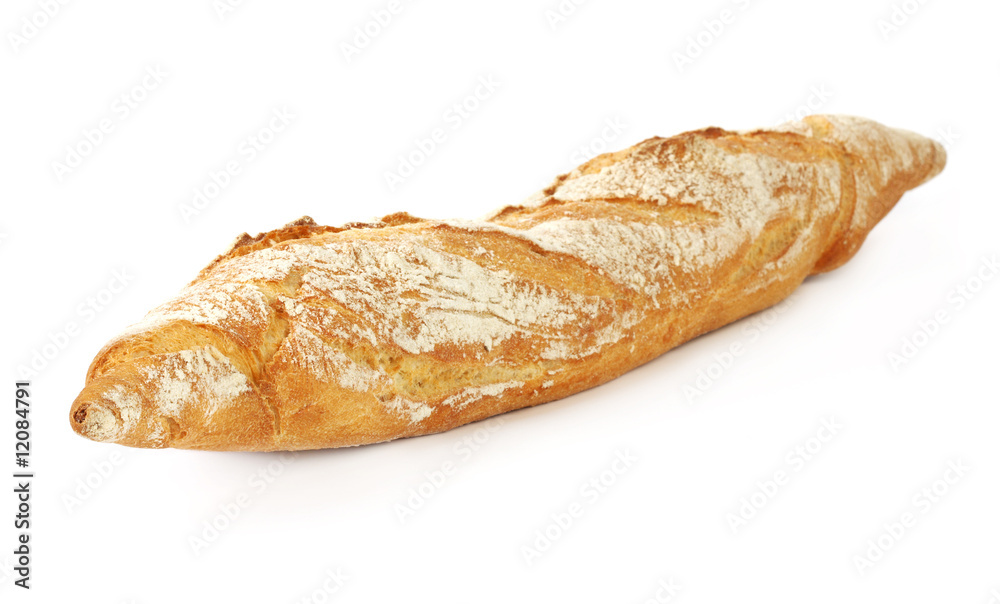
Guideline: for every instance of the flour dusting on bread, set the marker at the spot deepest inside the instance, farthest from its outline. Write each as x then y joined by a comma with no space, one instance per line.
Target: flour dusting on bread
188,376
309,336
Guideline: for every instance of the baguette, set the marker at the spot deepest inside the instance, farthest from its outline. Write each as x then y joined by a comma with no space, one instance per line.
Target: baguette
311,337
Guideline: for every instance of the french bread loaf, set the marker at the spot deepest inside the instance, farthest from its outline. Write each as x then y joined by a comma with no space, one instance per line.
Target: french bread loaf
311,337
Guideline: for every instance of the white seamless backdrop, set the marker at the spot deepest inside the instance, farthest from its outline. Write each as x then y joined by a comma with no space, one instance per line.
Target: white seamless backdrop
841,447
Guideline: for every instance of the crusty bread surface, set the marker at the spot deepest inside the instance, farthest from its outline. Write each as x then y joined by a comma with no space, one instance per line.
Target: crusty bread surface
311,337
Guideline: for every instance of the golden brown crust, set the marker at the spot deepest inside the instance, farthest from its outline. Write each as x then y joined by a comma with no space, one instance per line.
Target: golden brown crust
310,337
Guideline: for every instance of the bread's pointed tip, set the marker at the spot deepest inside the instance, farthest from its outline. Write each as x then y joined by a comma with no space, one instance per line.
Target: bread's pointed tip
96,419
888,152
109,411
928,156
936,154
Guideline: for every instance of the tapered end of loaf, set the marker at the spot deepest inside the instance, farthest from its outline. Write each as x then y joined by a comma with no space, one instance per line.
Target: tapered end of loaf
115,409
882,156
882,164
931,153
189,399
889,153
96,422
103,415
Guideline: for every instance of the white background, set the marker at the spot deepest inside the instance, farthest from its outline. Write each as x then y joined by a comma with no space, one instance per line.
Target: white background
664,519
